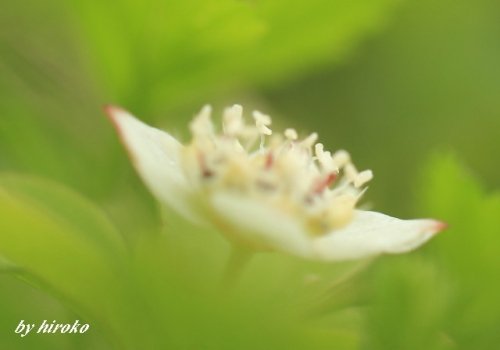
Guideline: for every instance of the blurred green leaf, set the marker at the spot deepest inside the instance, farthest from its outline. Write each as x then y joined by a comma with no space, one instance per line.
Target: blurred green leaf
469,253
86,221
446,295
175,304
63,244
157,54
19,301
408,306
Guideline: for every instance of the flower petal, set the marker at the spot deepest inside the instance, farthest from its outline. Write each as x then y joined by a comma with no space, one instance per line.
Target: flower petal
155,155
260,225
372,233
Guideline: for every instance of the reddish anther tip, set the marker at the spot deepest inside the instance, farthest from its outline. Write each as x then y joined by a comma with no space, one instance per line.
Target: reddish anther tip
331,178
326,182
269,160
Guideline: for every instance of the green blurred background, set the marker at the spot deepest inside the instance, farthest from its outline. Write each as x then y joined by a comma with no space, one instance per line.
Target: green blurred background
410,88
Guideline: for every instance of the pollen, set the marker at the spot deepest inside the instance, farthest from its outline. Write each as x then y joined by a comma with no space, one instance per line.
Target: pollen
296,175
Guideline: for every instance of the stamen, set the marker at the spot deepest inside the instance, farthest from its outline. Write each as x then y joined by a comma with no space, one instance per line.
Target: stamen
299,177
350,172
318,149
362,178
262,142
291,134
325,182
309,141
202,124
269,161
341,158
262,121
205,171
325,158
233,120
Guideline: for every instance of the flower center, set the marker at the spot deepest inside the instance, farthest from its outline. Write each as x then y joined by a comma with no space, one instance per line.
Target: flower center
297,176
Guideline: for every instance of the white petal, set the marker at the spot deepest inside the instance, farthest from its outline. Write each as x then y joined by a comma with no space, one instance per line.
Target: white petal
372,233
261,225
155,155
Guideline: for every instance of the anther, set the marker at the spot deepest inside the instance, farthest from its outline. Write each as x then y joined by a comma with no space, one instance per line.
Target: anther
202,123
325,158
341,158
205,171
318,149
309,141
269,161
350,172
261,122
233,120
362,178
325,182
291,134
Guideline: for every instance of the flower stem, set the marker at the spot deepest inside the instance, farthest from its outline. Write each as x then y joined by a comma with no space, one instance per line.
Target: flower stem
238,259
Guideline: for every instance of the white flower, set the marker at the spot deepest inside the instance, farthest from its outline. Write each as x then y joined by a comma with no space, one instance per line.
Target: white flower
264,190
